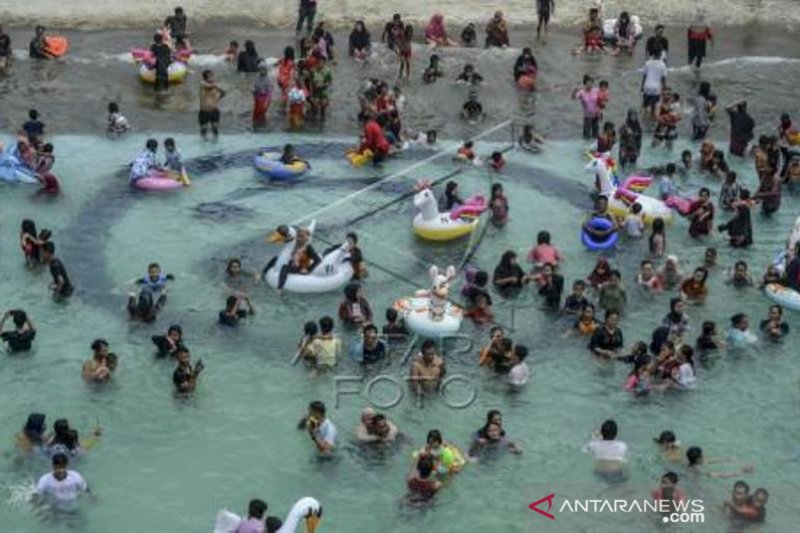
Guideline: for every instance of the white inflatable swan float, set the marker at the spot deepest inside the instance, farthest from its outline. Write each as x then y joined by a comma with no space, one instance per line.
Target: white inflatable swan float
307,510
333,272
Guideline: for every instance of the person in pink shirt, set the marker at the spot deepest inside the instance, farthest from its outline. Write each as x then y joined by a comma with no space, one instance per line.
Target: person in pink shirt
544,252
435,32
589,95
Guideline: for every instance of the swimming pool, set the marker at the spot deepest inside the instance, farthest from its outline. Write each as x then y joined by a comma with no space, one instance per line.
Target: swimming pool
166,464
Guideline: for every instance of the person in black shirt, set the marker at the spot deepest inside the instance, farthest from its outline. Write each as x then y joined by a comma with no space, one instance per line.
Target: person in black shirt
394,330
37,50
232,313
170,343
185,377
372,349
61,286
607,339
392,30
657,45
469,76
576,301
248,58
742,126
551,285
33,127
163,57
177,24
508,275
472,111
20,339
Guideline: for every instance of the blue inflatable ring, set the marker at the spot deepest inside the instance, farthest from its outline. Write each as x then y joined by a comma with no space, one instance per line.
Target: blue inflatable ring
270,166
600,224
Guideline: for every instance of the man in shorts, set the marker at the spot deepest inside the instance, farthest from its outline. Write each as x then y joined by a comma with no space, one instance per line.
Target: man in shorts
655,76
210,95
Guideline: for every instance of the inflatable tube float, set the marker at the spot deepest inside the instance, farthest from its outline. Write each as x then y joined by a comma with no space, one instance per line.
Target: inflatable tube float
268,164
783,296
56,46
415,311
472,207
451,458
432,225
227,522
620,199
333,272
177,72
610,35
600,224
359,159
12,170
156,182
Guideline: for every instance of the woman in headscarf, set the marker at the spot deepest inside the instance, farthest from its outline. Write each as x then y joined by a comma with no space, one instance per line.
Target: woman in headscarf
525,70
262,94
360,43
435,32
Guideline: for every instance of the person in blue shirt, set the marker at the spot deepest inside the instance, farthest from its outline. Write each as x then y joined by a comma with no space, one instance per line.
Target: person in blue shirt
152,294
33,128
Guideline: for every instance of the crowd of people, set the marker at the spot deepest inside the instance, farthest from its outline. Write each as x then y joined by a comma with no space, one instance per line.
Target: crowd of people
669,362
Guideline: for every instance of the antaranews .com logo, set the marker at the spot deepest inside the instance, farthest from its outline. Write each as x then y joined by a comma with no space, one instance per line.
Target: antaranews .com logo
672,512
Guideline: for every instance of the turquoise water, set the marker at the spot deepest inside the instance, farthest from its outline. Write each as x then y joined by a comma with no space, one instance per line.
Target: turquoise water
166,464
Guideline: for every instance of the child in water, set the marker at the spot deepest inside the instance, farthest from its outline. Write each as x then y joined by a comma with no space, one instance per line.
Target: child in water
117,124
496,161
173,162
232,53
297,104
433,72
465,152
472,111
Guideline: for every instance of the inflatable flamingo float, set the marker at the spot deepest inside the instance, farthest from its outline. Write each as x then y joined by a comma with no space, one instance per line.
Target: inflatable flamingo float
621,198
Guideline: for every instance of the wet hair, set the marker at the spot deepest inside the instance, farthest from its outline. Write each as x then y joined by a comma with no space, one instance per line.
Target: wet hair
506,258
49,247
771,307
609,430
310,328
158,38
671,168
587,79
233,261
207,75
611,313
521,351
543,237
326,325
704,271
740,264
288,53
427,344
256,509
391,314
495,329
737,319
672,477
636,208
153,265
434,435
370,328
113,107
60,460
317,406
230,302
97,344
578,283
425,466
497,189
151,144
352,236
250,47
666,437
741,485
28,227
176,329
450,187
169,142
645,262
351,292
694,455
34,427
481,278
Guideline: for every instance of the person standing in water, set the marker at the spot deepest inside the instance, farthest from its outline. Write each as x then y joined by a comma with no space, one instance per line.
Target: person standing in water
308,10
5,51
177,24
742,126
61,487
698,35
544,9
210,95
61,287
163,57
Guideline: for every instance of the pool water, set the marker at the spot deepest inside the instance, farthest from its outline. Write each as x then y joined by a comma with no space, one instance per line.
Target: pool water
168,464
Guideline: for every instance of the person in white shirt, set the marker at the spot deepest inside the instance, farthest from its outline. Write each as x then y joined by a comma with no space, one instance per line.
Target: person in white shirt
320,429
61,486
610,454
519,373
655,75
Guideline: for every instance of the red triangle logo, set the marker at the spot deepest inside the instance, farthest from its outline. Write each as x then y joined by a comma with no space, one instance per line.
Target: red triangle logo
549,500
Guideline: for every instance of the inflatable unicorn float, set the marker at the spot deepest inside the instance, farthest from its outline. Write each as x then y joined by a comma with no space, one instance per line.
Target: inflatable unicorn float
622,196
433,225
306,511
429,313
332,273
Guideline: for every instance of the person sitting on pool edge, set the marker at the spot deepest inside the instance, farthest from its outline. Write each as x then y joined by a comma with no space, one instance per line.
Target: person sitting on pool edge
20,338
